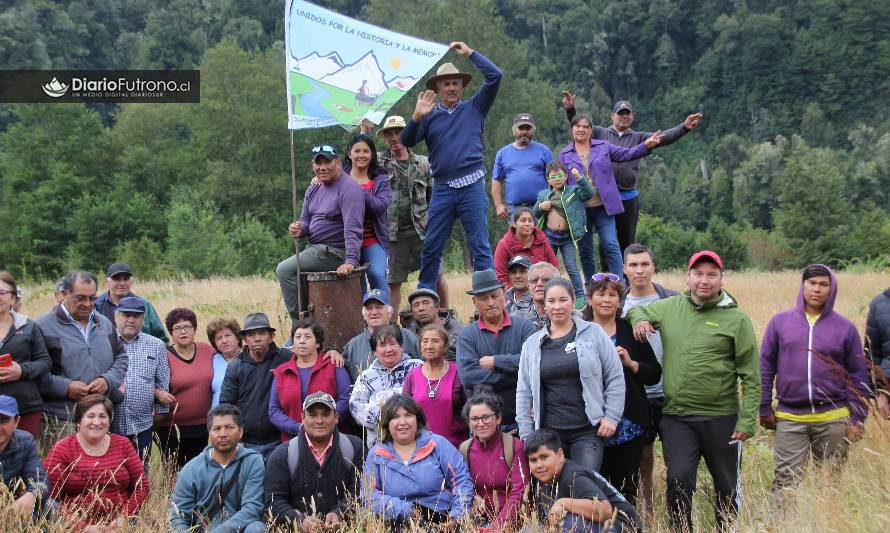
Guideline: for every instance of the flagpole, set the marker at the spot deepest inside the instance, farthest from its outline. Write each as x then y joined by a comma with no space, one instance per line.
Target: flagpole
293,186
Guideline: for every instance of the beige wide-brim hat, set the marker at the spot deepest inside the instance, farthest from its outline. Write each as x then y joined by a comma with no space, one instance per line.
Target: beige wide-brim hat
447,70
392,122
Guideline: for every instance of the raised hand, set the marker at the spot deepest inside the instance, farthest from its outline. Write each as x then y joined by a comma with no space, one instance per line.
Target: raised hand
568,100
461,48
367,126
692,121
426,101
654,140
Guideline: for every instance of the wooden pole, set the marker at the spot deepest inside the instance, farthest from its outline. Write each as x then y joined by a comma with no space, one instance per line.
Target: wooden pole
293,185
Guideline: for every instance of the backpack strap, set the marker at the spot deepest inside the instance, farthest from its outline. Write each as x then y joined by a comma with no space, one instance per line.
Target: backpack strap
509,448
293,456
465,450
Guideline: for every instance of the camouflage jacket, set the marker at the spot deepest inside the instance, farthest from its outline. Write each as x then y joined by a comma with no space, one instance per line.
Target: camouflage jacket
418,183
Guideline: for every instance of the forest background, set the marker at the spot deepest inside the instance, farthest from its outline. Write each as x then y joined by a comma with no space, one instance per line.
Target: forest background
790,165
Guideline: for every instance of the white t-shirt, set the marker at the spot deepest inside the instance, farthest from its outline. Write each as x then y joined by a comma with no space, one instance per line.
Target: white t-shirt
657,390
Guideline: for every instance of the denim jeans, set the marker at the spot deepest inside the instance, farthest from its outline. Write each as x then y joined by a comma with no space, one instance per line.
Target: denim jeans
562,243
583,446
608,243
376,273
470,205
142,442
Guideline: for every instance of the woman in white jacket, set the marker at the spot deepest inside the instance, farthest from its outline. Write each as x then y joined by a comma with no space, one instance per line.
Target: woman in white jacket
570,380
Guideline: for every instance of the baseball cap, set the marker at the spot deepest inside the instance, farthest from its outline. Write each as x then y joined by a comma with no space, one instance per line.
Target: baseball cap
519,260
118,268
131,304
524,118
8,406
705,255
621,105
319,397
375,294
324,149
423,292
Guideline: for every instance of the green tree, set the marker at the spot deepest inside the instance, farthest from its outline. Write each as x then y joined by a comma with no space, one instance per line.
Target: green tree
188,220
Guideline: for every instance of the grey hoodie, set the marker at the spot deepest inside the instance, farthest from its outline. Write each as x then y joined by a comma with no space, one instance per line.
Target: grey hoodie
602,378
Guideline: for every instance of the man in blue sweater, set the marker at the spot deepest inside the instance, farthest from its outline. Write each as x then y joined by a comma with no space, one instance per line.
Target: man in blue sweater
452,129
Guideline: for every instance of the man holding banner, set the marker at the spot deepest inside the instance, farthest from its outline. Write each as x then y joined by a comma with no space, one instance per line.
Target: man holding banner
452,130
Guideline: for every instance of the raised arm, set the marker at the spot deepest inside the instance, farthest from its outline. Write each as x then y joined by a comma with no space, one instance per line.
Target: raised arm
484,98
672,134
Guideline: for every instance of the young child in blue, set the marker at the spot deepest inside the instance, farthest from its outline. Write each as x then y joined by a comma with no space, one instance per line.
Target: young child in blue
561,214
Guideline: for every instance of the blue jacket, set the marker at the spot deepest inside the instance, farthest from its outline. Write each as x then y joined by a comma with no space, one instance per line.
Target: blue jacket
454,137
20,463
201,480
436,478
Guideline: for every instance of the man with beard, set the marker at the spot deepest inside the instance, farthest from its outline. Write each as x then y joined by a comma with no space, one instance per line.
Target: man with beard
520,169
488,349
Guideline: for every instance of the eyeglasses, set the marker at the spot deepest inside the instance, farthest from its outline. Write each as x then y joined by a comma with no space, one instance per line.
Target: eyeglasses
485,419
4,293
535,279
182,329
556,176
79,298
606,276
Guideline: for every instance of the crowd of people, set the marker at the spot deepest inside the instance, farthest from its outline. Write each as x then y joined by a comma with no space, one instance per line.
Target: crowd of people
546,404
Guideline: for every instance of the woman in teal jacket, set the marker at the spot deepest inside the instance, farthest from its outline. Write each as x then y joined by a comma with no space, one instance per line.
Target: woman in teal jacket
413,474
561,214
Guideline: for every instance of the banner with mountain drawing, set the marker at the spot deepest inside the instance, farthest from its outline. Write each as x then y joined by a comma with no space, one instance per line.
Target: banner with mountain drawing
341,70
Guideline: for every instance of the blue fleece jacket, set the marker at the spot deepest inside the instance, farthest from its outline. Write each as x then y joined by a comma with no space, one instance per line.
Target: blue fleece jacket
436,477
454,136
200,482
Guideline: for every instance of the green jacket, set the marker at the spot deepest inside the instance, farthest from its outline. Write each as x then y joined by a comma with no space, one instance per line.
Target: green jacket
708,349
573,198
418,184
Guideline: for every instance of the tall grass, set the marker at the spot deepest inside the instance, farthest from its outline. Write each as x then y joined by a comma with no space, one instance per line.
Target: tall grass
856,500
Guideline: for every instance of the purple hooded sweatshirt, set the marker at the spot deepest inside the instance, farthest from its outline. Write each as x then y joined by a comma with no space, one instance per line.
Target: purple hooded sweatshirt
816,368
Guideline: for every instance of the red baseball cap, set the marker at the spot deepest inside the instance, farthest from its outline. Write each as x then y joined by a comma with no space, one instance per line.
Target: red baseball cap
705,254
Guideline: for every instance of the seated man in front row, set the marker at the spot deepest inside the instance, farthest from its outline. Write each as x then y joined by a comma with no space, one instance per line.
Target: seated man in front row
571,497
312,477
21,470
222,488
332,218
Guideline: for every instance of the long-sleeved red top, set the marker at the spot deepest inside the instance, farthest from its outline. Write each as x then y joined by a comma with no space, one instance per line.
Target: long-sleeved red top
499,485
96,489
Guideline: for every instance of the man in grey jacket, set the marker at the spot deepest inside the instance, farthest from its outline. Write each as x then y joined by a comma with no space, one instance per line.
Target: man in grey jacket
376,313
877,339
88,357
621,134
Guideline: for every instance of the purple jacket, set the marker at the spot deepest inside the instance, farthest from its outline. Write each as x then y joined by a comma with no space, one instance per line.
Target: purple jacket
602,154
816,368
334,215
377,203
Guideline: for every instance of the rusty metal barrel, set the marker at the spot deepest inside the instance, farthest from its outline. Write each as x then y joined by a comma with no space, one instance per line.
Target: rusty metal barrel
335,302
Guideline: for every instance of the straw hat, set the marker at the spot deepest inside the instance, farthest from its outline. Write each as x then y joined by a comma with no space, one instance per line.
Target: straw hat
447,70
392,122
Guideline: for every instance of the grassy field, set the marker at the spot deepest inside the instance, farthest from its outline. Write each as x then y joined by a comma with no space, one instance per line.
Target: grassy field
857,500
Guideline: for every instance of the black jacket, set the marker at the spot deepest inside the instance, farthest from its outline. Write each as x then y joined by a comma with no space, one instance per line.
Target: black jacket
636,406
26,345
315,488
877,330
248,385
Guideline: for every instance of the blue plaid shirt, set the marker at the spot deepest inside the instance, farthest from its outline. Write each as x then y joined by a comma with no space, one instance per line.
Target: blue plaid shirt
148,370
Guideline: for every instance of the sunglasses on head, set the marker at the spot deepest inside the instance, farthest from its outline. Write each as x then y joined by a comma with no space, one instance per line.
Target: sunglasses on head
324,148
606,276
